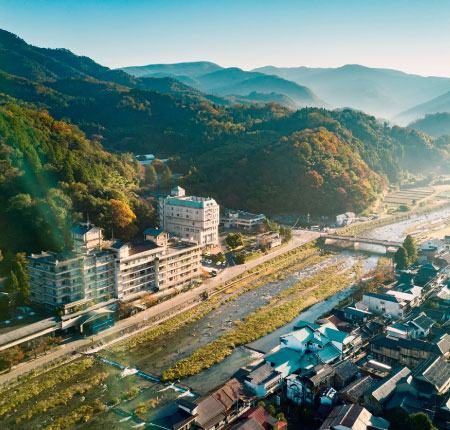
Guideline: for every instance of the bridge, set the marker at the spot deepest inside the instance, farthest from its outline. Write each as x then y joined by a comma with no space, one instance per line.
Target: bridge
359,240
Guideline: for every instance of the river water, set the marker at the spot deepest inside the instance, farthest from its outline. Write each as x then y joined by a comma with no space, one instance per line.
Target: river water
164,352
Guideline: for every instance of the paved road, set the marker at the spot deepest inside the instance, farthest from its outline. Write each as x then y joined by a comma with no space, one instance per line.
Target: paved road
299,238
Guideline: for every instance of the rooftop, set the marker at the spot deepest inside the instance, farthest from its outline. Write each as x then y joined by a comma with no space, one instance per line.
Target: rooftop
262,374
435,371
191,201
382,390
356,389
153,232
385,297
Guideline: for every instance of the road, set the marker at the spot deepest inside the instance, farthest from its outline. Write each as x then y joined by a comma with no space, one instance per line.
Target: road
300,237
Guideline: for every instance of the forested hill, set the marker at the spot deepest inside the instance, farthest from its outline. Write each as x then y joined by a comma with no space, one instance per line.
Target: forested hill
264,158
51,175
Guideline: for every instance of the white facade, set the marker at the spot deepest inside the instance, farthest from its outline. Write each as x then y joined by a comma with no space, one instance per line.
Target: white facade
384,304
195,219
104,270
241,220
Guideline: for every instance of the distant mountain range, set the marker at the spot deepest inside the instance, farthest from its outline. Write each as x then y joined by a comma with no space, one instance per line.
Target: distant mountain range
211,78
385,93
436,124
435,105
219,132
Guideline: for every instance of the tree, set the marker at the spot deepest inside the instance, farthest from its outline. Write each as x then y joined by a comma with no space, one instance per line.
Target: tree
280,417
234,240
401,258
286,233
11,356
24,285
420,421
410,246
12,284
271,409
166,177
150,178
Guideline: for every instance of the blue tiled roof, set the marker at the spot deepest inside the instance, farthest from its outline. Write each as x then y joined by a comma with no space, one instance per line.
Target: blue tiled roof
187,203
153,231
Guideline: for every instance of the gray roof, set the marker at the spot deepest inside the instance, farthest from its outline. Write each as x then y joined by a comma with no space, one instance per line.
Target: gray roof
346,369
442,345
210,412
394,343
28,330
383,389
262,374
386,297
358,388
435,371
423,321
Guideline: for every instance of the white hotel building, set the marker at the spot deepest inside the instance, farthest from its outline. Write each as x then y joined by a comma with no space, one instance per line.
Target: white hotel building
96,271
190,218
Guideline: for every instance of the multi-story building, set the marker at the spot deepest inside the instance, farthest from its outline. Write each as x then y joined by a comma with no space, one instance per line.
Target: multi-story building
195,219
155,264
241,220
96,271
73,278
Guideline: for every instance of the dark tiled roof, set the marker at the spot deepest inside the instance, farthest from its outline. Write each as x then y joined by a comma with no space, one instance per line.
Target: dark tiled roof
423,321
358,388
442,344
435,371
384,388
386,297
346,369
262,374
118,245
390,342
210,412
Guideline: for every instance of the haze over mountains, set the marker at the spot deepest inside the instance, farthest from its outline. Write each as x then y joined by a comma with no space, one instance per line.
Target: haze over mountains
385,93
246,155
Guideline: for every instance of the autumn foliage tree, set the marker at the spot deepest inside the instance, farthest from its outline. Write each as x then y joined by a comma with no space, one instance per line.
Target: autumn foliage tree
122,220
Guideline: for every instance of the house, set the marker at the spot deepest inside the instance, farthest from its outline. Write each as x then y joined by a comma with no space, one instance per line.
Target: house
411,297
409,352
285,360
318,376
431,248
212,411
264,419
432,376
345,219
358,316
270,240
355,391
426,273
353,417
207,412
377,396
263,379
325,343
241,220
344,372
247,424
420,325
384,304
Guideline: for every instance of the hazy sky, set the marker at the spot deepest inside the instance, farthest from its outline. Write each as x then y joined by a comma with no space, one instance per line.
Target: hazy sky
409,35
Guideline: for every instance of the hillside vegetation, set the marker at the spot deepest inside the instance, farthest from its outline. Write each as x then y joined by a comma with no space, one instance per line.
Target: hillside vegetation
437,124
259,157
51,175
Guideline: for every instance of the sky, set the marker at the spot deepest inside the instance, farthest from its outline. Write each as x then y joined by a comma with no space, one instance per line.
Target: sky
408,35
